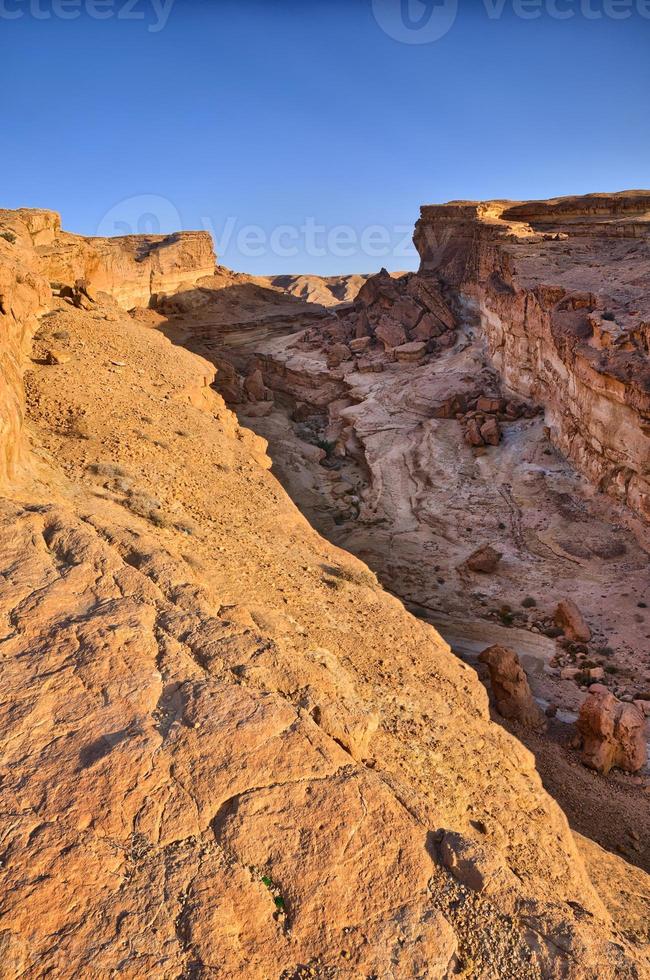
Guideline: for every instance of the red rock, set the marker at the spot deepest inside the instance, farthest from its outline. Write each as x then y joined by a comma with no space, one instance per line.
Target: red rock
512,694
390,332
359,344
338,354
362,327
612,733
447,339
486,403
450,408
571,621
411,352
484,560
427,292
377,286
473,433
428,328
406,311
255,388
491,432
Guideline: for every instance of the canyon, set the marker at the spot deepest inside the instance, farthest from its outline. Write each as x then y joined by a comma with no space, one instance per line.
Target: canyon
256,533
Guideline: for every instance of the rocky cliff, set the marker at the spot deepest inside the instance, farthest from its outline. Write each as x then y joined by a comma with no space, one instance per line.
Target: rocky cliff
131,269
561,288
226,750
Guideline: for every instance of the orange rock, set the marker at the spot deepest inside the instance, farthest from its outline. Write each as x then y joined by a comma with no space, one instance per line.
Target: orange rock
612,732
512,694
485,560
571,621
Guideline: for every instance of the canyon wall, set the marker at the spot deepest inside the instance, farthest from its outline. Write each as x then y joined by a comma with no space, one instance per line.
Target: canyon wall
35,252
225,749
561,288
131,268
23,294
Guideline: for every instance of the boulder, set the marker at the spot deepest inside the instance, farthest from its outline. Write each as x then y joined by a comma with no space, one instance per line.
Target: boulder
447,339
450,408
407,312
390,332
478,867
255,388
380,285
368,365
491,432
359,344
488,403
428,328
411,352
484,560
571,621
57,356
611,732
512,694
338,354
427,293
473,433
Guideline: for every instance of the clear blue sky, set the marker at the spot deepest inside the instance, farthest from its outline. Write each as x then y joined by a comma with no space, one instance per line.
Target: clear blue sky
285,112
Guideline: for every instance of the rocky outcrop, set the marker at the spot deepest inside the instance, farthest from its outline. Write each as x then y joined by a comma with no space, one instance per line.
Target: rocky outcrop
225,748
611,732
571,621
132,269
23,294
510,688
561,290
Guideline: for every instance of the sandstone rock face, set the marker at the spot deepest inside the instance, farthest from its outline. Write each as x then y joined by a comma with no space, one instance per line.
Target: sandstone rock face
510,687
23,294
226,751
612,732
131,269
561,287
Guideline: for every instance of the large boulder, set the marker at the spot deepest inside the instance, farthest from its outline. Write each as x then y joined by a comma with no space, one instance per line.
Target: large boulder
512,694
484,560
571,621
390,333
611,732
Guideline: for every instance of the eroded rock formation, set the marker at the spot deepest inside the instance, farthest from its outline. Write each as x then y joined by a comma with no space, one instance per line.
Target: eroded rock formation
611,732
510,687
561,288
131,269
226,750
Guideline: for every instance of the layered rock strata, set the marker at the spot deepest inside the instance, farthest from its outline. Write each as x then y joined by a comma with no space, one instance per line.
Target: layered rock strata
226,751
132,269
561,288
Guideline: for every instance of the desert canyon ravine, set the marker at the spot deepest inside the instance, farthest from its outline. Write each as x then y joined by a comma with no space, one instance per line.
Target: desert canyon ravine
325,604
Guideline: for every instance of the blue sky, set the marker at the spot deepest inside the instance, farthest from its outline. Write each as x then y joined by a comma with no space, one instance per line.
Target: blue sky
303,134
